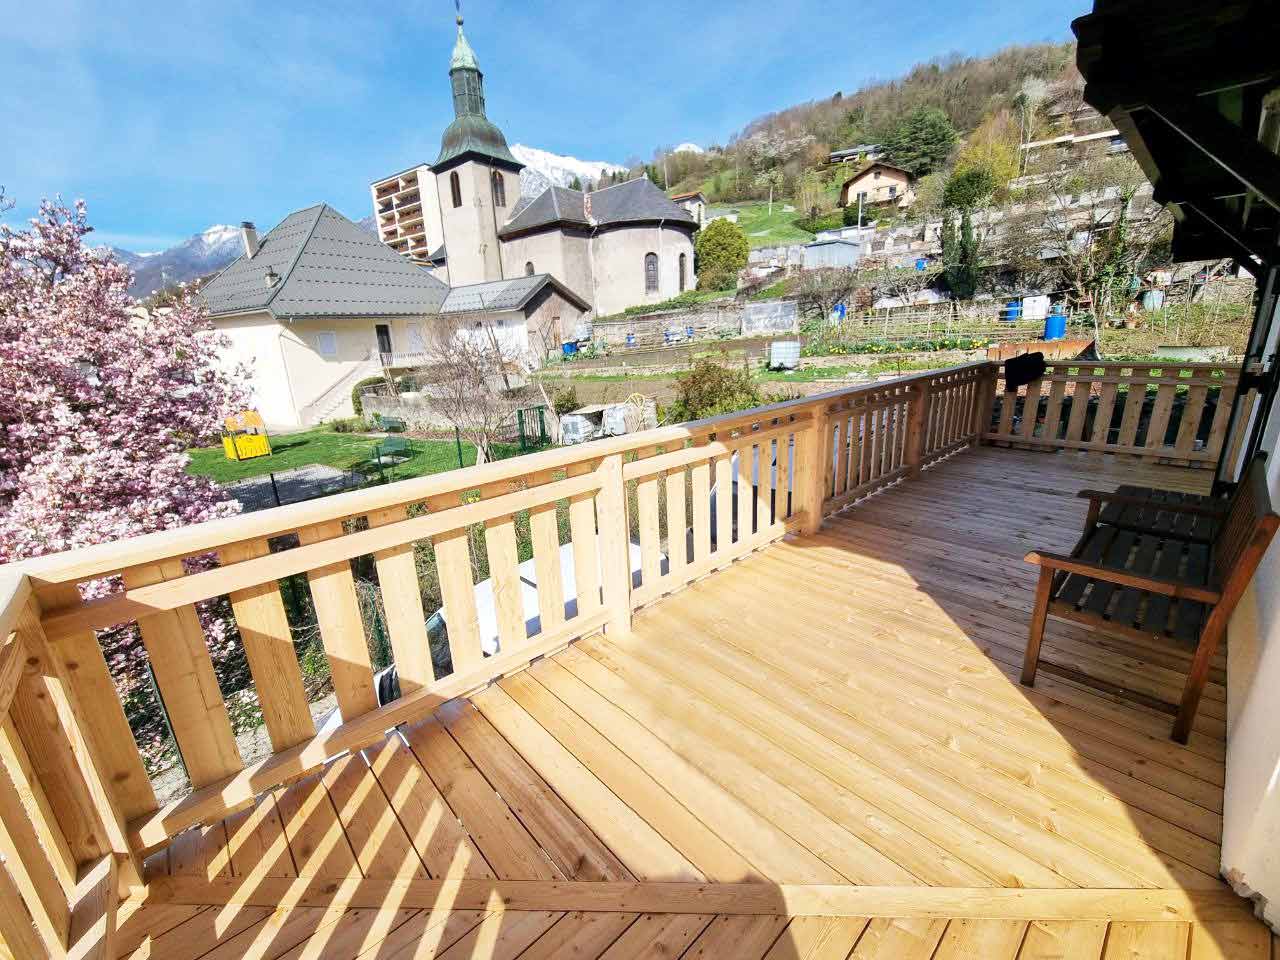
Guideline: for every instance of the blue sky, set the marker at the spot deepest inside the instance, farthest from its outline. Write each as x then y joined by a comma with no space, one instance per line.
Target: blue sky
168,117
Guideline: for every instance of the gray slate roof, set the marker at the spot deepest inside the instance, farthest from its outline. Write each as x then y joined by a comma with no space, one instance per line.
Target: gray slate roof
636,201
503,294
327,266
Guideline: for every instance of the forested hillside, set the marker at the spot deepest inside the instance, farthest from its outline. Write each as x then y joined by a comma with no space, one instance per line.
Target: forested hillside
781,149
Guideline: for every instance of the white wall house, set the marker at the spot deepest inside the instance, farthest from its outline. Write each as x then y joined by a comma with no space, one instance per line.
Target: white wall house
319,305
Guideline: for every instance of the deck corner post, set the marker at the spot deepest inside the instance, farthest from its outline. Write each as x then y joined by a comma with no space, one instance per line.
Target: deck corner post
813,470
985,403
917,423
615,557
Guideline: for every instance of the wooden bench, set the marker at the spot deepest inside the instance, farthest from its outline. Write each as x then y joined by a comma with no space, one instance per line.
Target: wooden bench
1145,583
1187,516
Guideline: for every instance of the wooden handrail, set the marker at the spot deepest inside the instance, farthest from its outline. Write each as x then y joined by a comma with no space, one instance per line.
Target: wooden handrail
646,514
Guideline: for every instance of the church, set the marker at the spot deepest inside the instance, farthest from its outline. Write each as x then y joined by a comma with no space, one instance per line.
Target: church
463,216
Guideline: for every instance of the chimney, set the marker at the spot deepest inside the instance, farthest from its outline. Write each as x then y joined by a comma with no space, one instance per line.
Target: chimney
249,236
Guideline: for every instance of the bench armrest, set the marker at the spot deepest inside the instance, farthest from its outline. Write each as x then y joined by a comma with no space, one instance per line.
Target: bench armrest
1099,497
1125,578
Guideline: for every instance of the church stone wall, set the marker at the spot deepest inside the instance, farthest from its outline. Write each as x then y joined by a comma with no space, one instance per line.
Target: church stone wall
618,256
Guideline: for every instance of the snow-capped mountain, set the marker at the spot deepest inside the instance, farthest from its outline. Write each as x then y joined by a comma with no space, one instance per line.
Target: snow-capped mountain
688,148
205,253
543,168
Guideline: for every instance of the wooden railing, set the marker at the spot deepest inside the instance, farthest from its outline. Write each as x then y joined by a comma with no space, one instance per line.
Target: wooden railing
1168,412
640,515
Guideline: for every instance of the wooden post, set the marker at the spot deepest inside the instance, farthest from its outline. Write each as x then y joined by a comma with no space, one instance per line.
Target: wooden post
917,424
985,402
813,461
615,550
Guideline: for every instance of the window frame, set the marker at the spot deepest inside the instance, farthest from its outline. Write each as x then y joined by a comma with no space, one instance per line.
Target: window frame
320,337
455,189
652,279
683,267
528,268
498,186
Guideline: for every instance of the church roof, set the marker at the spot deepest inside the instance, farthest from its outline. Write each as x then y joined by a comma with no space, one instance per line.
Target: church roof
636,201
327,266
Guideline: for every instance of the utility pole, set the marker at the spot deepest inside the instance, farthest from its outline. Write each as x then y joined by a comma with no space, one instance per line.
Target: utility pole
771,198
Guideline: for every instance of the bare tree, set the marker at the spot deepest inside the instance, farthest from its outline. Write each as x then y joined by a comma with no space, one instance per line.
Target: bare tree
1086,230
475,379
818,292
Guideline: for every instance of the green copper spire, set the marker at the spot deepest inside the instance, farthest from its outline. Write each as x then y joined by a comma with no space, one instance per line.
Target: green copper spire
464,58
471,133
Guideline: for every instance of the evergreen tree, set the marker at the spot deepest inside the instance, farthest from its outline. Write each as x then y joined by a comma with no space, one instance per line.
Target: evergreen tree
961,254
721,249
575,184
922,141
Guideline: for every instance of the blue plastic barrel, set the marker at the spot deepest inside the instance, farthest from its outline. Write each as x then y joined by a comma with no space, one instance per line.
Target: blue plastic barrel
1055,326
631,339
1012,311
569,348
688,332
921,264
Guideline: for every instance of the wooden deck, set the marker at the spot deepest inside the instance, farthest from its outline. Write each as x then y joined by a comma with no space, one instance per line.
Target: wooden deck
838,710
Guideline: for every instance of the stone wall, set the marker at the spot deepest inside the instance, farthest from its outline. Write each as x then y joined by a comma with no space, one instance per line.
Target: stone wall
412,408
709,322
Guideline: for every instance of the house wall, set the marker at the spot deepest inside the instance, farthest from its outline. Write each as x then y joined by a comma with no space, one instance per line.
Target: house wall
471,230
256,343
1251,805
561,253
877,182
551,320
617,256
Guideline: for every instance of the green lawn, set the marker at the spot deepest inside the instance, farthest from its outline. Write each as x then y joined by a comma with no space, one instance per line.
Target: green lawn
806,374
763,229
344,451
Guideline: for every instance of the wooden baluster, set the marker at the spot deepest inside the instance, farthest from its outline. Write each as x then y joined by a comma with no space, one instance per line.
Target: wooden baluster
842,447
782,496
333,592
34,874
402,603
615,556
91,684
1221,418
1189,426
586,550
856,427
1134,401
93,918
724,505
1009,400
1031,409
457,589
179,655
16,930
875,437
544,531
677,523
648,528
700,478
268,646
1101,436
14,759
504,575
764,485
1158,425
746,497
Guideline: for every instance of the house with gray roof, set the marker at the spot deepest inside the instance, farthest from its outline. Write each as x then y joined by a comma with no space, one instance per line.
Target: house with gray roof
318,304
463,215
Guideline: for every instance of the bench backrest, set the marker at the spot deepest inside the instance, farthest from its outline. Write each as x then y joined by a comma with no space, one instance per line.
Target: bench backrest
392,444
1245,534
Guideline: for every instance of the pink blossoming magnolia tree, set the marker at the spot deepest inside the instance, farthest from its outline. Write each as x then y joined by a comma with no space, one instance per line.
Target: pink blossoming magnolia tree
98,404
